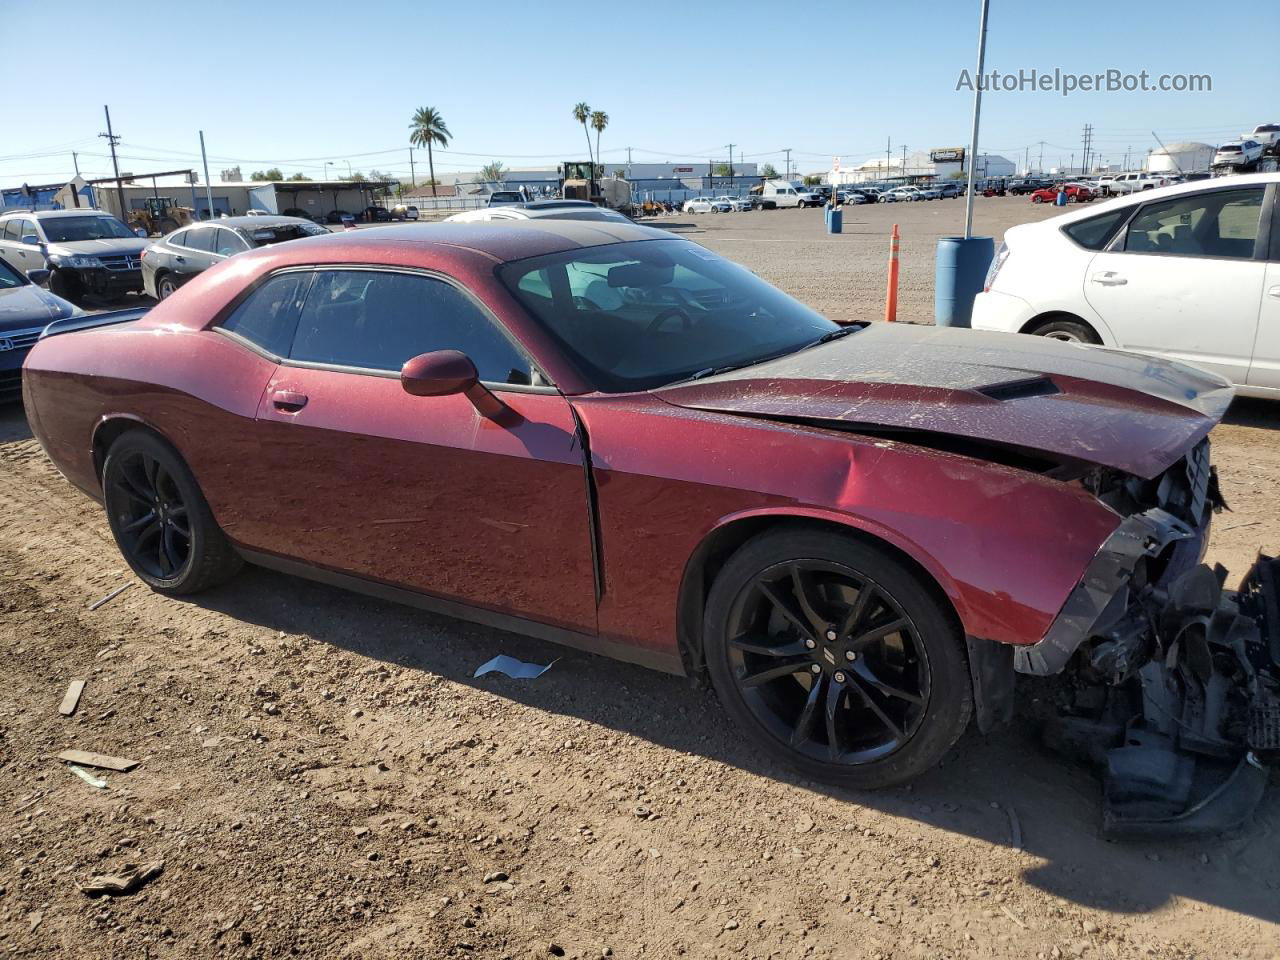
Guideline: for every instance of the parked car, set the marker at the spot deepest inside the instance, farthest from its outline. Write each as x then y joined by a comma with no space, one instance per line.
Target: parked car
1102,186
809,197
928,192
998,504
900,195
25,310
1138,181
781,193
88,252
501,198
1238,153
336,216
706,205
950,189
1076,193
736,204
1189,272
376,214
405,212
1026,186
1267,134
540,210
172,260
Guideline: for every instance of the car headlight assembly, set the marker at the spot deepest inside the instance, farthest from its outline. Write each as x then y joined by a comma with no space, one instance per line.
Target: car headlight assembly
75,261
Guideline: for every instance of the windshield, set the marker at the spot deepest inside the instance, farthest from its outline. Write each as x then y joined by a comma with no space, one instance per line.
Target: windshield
10,277
73,229
638,315
280,232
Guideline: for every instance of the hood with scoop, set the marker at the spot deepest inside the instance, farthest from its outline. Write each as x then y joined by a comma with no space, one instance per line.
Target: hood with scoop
1066,402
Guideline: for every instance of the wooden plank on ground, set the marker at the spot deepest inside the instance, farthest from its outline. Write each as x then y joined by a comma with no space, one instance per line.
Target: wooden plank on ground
72,699
100,760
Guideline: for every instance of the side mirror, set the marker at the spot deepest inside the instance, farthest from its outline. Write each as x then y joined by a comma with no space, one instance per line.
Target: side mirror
139,232
444,372
31,240
38,277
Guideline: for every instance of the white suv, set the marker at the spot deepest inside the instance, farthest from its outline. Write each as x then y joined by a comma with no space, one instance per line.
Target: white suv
1189,272
1238,153
1139,181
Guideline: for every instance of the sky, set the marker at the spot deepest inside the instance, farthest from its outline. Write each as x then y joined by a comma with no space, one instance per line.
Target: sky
293,85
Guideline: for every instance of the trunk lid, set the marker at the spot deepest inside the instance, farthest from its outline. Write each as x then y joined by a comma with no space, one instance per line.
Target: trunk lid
1128,411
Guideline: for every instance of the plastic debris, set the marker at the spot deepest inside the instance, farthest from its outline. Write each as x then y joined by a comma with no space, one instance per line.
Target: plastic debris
513,668
87,777
110,596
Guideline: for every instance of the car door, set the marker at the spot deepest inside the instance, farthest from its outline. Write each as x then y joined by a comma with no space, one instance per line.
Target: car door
1184,279
26,245
1265,369
196,254
424,493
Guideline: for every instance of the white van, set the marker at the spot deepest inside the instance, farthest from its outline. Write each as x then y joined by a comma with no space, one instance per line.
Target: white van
784,194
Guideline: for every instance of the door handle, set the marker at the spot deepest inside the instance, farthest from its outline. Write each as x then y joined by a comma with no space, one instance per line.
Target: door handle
288,400
1109,278
1274,293
181,259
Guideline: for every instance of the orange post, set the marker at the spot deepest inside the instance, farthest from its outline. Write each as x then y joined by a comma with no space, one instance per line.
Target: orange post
891,295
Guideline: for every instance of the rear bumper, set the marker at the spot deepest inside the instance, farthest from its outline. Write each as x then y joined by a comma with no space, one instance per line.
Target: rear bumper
1001,312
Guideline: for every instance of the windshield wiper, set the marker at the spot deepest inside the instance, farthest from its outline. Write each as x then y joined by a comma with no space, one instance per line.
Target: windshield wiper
712,371
832,335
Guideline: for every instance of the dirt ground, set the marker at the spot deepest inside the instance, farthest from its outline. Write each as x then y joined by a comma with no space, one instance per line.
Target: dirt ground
321,776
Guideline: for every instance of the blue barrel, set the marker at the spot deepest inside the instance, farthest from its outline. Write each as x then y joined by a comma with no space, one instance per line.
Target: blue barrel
835,219
960,272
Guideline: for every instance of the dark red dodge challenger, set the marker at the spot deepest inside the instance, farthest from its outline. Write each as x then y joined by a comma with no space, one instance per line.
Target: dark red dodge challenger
602,435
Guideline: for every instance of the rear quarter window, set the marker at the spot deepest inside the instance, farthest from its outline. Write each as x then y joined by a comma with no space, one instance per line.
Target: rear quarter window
1095,232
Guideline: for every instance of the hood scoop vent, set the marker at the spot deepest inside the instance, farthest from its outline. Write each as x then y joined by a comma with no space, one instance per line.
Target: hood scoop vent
1020,389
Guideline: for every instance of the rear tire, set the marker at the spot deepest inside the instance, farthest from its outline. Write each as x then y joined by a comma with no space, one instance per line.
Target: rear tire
1067,329
166,286
160,520
880,703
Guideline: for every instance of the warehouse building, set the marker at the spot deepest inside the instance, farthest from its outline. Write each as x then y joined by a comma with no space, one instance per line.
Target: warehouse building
315,199
938,164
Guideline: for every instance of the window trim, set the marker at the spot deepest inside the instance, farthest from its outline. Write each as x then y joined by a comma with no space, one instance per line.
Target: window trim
1114,245
215,325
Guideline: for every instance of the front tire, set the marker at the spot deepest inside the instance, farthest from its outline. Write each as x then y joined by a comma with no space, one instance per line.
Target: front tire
67,286
159,518
833,657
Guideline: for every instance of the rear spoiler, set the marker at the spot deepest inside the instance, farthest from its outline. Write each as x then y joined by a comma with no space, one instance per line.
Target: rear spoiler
72,324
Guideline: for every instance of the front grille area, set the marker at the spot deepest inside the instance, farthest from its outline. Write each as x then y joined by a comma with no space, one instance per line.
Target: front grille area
18,339
122,261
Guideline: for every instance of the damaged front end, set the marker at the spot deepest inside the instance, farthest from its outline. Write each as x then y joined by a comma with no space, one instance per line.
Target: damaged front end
1171,684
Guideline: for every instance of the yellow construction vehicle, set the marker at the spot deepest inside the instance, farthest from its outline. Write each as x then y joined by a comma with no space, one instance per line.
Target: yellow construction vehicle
160,216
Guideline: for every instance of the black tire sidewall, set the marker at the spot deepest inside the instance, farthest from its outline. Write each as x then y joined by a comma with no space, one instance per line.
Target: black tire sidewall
66,285
1077,328
951,691
206,538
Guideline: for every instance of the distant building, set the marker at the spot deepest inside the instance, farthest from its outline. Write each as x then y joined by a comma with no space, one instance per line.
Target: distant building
1186,157
919,165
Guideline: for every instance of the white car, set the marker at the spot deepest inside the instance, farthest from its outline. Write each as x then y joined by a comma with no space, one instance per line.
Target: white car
1238,153
929,193
539,210
707,205
1189,272
736,204
1138,181
900,195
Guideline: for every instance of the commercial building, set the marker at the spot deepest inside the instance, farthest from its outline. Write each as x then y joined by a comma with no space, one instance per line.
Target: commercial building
938,164
310,198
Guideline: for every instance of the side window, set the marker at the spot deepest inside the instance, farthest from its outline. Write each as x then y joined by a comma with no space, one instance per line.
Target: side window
201,239
27,228
226,242
1221,223
11,231
270,313
1093,233
378,320
178,239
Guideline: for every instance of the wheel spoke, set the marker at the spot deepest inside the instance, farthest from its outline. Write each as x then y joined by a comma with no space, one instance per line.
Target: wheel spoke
169,550
802,589
862,604
150,470
784,607
875,708
134,525
762,646
835,693
774,672
865,673
131,488
147,532
875,634
804,723
180,527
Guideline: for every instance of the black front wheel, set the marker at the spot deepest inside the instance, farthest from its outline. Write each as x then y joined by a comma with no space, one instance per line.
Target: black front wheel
833,657
160,519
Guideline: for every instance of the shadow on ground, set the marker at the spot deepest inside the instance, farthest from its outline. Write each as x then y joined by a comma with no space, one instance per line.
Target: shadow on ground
1056,805
1252,412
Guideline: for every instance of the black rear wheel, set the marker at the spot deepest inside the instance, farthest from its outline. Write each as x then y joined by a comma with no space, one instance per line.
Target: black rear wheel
836,659
160,519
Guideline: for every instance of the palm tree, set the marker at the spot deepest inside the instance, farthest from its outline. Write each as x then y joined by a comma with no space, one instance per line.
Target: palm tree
599,120
493,171
428,128
582,113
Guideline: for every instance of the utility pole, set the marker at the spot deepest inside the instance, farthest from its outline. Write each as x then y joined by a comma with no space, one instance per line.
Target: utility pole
413,179
1088,144
112,139
731,163
628,163
1041,170
1026,161
208,188
888,146
904,161
787,151
977,112
75,162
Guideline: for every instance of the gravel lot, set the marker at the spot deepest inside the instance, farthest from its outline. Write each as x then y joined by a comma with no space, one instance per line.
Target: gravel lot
322,777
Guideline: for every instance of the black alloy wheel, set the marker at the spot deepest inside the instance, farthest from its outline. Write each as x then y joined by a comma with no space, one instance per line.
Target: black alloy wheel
149,512
836,658
160,518
828,662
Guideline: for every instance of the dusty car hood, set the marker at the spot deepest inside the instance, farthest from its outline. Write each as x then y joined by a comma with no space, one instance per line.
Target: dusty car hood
30,306
1123,410
98,248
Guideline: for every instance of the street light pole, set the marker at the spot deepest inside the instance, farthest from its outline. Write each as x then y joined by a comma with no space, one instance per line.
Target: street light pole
977,111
